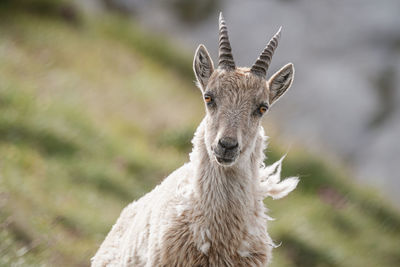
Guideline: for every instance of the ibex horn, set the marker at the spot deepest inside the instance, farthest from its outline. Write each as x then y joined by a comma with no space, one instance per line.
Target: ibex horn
262,64
225,58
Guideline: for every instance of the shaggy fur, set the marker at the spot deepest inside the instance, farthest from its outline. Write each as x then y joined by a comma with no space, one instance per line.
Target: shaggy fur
209,212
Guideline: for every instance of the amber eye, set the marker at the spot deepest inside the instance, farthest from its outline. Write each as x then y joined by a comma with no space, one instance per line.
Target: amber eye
207,98
262,109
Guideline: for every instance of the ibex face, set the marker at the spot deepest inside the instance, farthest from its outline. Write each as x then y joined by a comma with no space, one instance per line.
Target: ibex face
236,98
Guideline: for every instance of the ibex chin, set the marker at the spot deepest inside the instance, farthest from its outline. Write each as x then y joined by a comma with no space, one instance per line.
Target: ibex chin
210,211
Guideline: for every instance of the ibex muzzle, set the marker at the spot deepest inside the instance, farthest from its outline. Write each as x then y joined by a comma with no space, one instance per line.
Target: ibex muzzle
227,150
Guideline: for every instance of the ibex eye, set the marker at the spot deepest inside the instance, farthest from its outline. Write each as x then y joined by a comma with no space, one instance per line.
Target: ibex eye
262,109
208,99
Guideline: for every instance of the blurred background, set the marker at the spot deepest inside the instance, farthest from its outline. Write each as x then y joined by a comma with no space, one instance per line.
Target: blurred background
98,105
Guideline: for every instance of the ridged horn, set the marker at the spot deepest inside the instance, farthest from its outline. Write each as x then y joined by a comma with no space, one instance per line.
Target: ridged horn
262,64
225,58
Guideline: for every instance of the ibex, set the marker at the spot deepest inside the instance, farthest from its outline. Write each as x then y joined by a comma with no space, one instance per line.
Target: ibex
210,211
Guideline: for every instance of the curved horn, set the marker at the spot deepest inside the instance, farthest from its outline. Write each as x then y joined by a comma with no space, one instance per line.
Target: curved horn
225,58
262,64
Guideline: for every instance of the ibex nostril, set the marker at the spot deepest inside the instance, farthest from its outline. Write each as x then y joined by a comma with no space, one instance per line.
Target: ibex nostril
228,143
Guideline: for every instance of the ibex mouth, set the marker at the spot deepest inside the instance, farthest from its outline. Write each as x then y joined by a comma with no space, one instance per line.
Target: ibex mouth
224,161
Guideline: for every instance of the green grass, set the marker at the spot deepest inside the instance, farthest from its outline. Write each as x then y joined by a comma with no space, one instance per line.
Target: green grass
84,131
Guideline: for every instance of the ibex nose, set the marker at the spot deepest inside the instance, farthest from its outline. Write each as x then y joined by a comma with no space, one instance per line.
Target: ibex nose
228,143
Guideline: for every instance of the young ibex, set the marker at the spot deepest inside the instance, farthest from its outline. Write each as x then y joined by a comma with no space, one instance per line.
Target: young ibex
210,212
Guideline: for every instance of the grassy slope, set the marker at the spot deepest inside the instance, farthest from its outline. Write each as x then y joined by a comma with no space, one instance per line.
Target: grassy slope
84,130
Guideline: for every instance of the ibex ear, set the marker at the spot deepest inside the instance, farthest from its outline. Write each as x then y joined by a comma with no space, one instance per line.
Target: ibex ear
280,82
203,66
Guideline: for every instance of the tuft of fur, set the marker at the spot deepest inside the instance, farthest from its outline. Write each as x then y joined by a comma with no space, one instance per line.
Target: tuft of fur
271,184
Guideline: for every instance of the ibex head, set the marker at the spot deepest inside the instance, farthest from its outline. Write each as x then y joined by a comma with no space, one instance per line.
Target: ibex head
237,98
